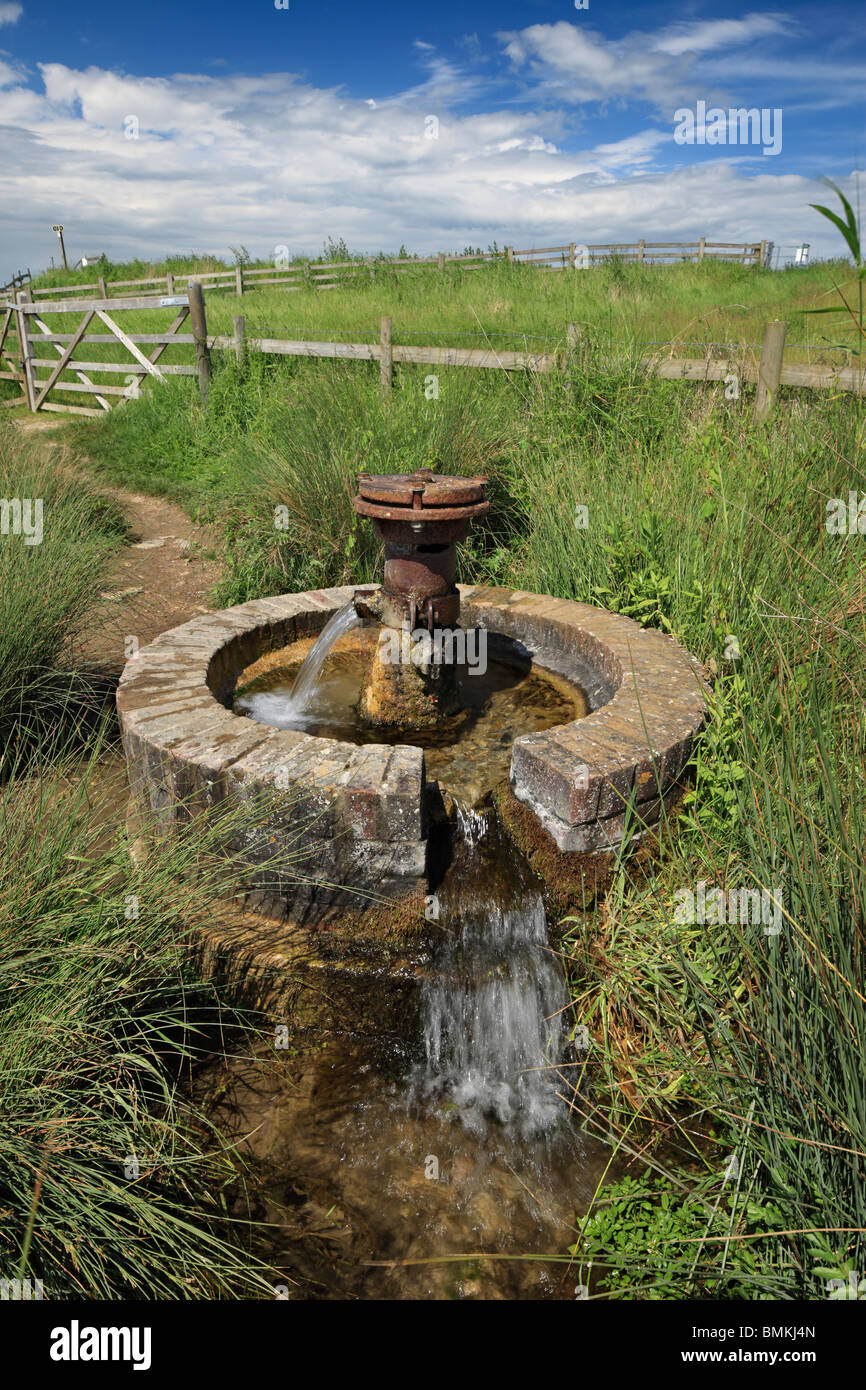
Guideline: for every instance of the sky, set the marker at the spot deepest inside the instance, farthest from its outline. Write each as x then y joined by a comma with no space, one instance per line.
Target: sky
208,124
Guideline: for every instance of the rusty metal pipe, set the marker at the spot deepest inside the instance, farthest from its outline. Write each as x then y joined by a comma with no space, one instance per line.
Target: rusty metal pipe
420,516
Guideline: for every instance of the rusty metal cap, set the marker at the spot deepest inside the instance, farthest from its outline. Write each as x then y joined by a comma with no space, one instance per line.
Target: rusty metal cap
420,496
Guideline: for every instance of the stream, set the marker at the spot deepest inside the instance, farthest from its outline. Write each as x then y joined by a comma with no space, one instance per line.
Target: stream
387,1171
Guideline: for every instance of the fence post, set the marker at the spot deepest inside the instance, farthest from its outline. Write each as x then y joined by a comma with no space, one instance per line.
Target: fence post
509,251
572,338
103,292
386,356
239,278
770,368
169,283
240,337
763,261
198,323
24,346
572,256
702,248
641,251
441,260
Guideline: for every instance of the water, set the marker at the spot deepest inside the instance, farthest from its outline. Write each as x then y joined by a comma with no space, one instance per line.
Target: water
349,1177
391,1171
494,1009
318,693
295,709
394,1172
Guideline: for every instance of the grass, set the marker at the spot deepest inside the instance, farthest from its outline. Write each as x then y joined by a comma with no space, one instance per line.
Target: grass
681,310
715,302
700,521
712,528
707,1039
48,590
111,1184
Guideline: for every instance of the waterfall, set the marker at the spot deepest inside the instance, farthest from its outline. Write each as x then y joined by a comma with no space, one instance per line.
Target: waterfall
291,711
493,1011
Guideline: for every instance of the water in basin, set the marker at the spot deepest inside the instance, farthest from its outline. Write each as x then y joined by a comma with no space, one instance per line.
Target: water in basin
468,756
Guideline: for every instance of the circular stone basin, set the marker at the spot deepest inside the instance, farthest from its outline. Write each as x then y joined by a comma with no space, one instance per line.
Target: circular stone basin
503,697
354,816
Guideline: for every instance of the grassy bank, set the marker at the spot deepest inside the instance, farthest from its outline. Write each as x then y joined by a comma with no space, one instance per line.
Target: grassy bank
112,1185
59,535
681,310
682,303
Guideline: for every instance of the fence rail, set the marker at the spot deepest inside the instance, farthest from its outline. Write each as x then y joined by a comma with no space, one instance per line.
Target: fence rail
242,279
327,275
581,256
24,364
18,282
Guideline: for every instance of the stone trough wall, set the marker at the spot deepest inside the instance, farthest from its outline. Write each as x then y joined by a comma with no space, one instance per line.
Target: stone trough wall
610,774
354,818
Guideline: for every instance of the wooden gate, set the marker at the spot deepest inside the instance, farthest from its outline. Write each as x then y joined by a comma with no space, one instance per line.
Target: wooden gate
24,334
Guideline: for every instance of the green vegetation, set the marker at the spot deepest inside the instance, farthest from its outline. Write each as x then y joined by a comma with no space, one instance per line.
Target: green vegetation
652,1241
47,590
851,235
682,309
719,1038
709,1040
112,1186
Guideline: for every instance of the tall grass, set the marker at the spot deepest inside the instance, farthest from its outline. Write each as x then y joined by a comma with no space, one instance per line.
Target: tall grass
744,1047
111,1184
48,590
685,303
710,526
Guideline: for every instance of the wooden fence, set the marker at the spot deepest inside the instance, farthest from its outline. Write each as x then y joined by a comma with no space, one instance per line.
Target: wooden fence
330,275
32,333
581,257
327,275
18,282
23,365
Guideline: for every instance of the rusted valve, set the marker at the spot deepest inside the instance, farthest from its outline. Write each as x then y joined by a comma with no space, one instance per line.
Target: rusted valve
420,517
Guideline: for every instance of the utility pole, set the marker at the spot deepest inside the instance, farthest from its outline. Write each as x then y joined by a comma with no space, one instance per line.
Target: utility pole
58,228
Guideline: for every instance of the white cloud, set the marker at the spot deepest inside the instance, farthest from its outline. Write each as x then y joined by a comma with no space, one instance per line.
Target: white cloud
271,160
577,65
702,36
10,13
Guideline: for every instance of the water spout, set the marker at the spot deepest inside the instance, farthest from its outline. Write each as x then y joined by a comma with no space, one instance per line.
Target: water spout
292,711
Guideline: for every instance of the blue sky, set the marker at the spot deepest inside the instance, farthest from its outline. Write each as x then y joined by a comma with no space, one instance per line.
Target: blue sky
164,127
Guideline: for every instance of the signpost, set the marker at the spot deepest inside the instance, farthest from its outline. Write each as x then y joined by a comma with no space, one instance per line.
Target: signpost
58,228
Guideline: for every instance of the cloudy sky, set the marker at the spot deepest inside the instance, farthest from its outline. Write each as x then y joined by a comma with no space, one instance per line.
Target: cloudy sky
164,127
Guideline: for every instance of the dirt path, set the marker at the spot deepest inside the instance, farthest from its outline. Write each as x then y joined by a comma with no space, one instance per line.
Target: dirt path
162,578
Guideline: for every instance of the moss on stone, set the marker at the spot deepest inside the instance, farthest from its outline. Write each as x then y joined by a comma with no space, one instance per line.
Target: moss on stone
374,929
571,882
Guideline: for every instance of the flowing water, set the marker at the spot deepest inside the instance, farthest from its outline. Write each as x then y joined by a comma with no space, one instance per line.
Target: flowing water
294,708
317,691
449,1166
494,1008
